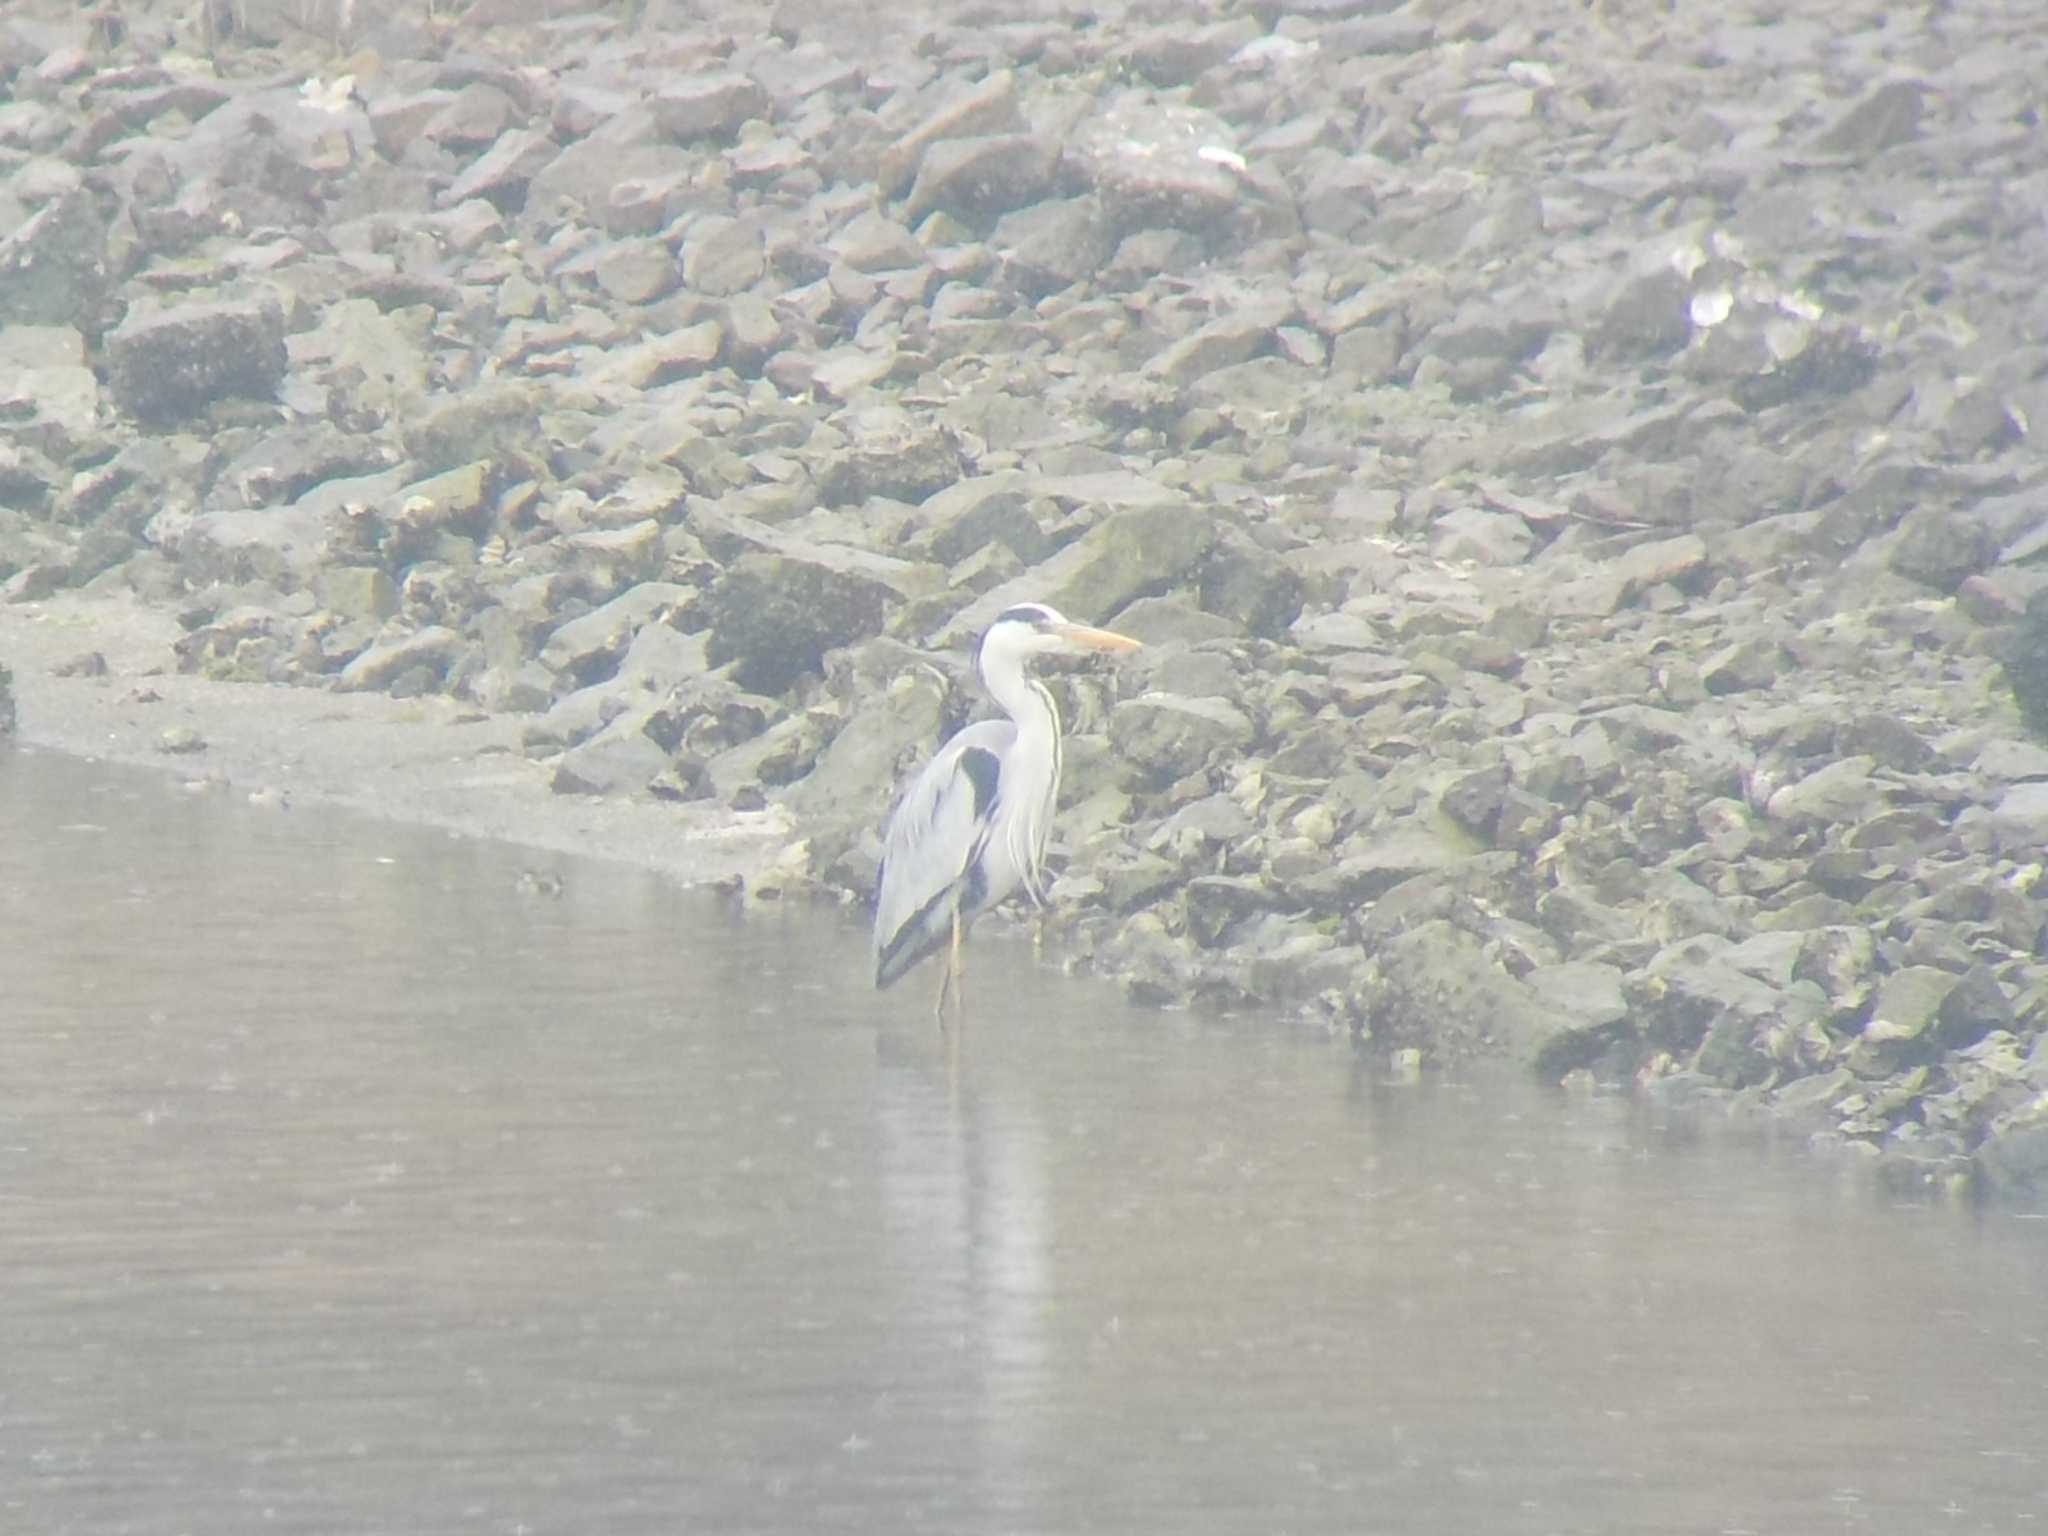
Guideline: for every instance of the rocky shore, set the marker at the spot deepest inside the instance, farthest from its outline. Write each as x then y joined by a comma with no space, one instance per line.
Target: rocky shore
1572,466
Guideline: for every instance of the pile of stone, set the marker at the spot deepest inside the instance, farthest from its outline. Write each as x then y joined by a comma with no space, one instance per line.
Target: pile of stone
1573,468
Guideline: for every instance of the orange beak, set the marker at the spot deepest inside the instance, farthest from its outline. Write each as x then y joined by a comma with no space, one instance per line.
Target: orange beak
1095,639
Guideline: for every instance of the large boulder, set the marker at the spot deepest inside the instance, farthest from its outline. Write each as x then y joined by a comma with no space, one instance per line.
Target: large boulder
774,616
53,265
2026,664
1136,552
172,364
1166,737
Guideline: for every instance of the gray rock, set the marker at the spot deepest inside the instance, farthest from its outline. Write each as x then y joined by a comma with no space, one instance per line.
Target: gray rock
637,271
606,561
1217,904
1623,579
370,367
1889,742
1692,1000
1134,878
1745,666
398,663
1772,958
889,453
2014,1155
1842,961
1647,316
980,178
1144,255
1888,116
397,120
1176,55
752,329
1583,990
362,592
1130,554
6,701
863,769
180,740
728,536
1199,674
844,373
49,398
679,354
455,503
502,174
468,119
54,267
1156,161
1051,245
1675,906
1491,808
2003,759
1843,791
707,106
176,362
1942,547
282,545
620,759
576,717
498,420
2025,662
1810,1099
588,649
1166,737
775,616
1434,984
988,107
1482,537
726,256
970,515
624,176
873,242
746,771
1171,621
1223,342
1921,1011
1251,586
701,715
284,465
1194,834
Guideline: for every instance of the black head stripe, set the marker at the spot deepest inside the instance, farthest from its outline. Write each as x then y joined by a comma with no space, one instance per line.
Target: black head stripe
1024,613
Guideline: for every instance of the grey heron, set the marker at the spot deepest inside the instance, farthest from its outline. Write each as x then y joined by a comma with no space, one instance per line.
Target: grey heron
972,826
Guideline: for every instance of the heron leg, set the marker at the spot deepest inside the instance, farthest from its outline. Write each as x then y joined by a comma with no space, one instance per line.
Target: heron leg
959,971
949,978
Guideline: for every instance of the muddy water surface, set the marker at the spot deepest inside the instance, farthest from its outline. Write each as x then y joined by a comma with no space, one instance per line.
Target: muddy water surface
352,1180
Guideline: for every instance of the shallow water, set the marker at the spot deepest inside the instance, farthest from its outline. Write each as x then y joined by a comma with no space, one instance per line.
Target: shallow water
347,1185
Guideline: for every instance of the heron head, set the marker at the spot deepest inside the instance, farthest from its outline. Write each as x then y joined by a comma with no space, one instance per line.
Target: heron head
1033,629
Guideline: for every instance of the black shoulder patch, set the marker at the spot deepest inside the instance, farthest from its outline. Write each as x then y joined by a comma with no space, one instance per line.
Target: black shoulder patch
983,768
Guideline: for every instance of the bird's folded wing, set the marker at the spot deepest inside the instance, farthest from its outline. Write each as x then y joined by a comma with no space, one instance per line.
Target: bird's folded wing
937,830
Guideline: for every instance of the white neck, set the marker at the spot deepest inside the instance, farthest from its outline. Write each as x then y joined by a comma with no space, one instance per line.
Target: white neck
1029,703
1025,700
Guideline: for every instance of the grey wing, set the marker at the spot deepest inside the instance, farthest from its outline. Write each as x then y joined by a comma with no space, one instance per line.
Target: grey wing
929,849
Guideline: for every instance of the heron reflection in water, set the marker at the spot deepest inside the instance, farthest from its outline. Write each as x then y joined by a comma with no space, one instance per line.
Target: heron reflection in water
972,827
